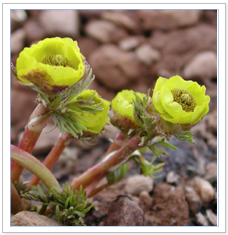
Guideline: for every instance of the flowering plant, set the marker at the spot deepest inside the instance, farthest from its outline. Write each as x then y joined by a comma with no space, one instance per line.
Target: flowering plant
57,70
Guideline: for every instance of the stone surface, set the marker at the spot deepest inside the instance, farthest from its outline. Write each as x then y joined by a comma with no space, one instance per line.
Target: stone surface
104,31
34,31
17,41
205,189
211,172
172,177
168,19
22,105
87,45
113,67
145,200
54,25
130,43
193,199
202,66
169,207
120,19
124,212
147,54
138,183
180,46
26,218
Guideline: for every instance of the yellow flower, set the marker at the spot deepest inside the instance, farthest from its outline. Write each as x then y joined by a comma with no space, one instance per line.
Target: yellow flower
93,119
123,107
52,64
180,101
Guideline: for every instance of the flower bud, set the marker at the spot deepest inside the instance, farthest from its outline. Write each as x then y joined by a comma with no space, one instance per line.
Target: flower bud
123,110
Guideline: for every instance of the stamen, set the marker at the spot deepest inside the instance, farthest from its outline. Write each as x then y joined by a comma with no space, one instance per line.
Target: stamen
57,60
184,98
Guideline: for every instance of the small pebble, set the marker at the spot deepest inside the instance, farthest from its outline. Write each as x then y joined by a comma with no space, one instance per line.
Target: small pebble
138,183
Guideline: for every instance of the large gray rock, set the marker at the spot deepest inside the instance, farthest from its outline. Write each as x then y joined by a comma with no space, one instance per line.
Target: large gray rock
124,212
17,41
104,31
26,218
168,19
138,183
203,65
60,22
113,67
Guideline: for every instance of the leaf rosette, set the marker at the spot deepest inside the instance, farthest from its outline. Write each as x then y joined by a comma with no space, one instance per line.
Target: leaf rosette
179,101
52,65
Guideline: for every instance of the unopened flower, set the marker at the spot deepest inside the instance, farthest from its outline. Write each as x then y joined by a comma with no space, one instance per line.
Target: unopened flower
52,64
123,109
180,101
91,110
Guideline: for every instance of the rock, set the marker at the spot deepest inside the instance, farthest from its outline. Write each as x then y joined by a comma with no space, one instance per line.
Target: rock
54,25
18,15
102,90
211,217
169,206
104,31
172,177
87,45
113,67
145,201
147,54
130,43
180,46
120,19
193,199
201,219
124,212
203,65
34,32
17,41
138,183
205,189
22,106
168,19
211,172
26,218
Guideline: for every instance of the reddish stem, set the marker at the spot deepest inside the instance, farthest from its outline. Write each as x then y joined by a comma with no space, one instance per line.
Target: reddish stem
54,155
102,168
36,123
16,202
116,144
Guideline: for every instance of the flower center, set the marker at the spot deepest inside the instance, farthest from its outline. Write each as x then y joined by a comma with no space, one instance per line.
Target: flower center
185,99
57,60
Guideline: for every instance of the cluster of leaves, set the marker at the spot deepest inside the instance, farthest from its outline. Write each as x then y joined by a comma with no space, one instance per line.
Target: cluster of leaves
141,117
70,207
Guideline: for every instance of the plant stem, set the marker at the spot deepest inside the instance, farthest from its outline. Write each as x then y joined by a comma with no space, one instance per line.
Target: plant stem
32,164
101,169
54,155
116,144
96,190
36,123
16,202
